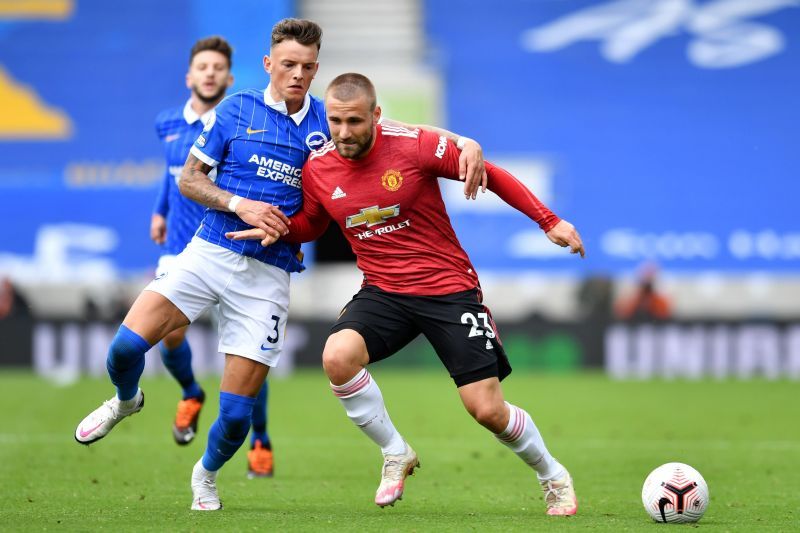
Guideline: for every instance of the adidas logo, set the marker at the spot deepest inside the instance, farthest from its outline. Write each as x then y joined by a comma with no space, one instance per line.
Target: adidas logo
489,345
338,193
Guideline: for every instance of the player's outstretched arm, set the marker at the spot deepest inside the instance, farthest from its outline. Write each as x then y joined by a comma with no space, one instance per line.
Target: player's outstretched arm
518,196
196,185
437,158
471,166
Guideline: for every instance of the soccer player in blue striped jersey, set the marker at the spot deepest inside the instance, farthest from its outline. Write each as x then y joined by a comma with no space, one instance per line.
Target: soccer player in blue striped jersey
258,140
174,222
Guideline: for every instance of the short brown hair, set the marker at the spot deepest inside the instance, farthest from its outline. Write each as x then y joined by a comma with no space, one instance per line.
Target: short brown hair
305,32
214,43
350,86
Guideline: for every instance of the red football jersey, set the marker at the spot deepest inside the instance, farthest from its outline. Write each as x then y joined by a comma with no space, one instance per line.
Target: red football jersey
390,209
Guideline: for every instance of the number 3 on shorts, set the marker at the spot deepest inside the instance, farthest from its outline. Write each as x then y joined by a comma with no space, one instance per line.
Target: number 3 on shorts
475,330
273,337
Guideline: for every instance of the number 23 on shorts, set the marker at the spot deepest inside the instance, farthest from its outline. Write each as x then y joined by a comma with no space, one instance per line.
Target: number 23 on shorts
477,330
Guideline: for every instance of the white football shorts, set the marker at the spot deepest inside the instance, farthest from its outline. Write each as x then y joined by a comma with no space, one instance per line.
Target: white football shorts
253,297
165,262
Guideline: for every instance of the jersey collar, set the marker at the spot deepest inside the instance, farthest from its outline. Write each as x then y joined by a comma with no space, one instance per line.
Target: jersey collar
280,107
191,116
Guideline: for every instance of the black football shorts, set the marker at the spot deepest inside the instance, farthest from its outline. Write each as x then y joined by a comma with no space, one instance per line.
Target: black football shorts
458,325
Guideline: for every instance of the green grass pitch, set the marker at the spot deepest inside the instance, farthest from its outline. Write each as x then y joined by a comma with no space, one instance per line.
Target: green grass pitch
744,437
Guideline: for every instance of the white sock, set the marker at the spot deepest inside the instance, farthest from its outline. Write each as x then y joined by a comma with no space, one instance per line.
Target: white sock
363,401
200,471
524,439
129,405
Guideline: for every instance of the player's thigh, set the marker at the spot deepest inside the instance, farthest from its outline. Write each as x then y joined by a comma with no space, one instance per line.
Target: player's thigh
380,319
152,316
253,310
193,280
243,376
462,332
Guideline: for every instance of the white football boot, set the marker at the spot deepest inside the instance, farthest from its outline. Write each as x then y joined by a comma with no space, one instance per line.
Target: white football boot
559,495
395,470
103,419
204,489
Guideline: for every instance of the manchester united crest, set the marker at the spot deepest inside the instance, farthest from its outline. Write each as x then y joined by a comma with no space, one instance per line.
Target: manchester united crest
391,180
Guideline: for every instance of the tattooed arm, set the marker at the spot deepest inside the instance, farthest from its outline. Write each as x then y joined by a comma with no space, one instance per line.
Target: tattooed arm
196,185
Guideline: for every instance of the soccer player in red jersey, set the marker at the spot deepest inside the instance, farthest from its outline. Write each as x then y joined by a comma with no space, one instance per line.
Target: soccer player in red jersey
379,183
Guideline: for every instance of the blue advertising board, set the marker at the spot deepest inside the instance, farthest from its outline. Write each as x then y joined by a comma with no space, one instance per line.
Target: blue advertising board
663,129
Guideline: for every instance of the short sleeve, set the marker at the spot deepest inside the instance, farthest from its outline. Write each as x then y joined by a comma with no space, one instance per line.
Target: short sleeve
211,144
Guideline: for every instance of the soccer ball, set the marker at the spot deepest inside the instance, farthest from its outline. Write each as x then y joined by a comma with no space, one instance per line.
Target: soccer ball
675,493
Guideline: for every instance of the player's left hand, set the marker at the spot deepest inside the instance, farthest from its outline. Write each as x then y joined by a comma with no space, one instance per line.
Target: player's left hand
252,234
564,234
158,228
471,169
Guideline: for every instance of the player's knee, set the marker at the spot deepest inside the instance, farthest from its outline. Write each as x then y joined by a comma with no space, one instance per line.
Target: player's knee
127,349
490,416
340,361
234,416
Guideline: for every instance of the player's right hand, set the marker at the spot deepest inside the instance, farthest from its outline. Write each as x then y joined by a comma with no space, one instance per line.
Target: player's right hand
158,228
472,170
564,234
263,216
252,234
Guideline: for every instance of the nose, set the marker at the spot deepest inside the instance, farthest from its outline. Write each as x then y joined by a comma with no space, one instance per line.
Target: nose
297,72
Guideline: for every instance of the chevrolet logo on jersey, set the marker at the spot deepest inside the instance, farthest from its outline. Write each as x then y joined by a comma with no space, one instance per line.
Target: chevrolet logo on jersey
373,215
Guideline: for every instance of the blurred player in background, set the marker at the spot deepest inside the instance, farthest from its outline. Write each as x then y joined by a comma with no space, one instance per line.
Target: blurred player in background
173,224
258,140
379,183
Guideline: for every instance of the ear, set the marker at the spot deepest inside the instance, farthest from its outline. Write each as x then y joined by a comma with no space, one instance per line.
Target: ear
188,81
230,80
267,65
376,115
316,68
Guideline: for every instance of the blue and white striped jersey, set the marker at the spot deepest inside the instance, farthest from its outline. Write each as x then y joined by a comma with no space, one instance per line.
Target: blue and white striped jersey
259,152
177,130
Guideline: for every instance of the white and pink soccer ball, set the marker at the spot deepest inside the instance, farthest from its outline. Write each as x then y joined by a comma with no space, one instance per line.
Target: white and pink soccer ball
675,493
